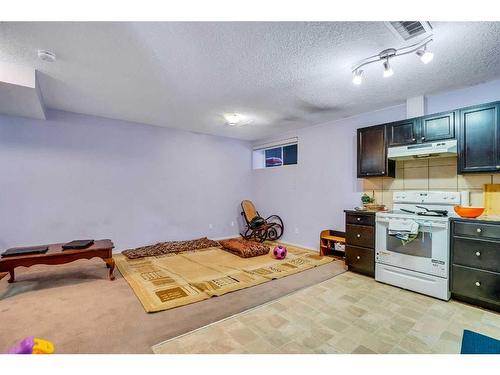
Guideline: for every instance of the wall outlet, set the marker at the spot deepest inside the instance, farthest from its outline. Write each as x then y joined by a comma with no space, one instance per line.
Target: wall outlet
232,223
296,230
210,226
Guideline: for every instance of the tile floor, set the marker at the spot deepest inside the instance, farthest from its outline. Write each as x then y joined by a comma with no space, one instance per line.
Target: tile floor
349,313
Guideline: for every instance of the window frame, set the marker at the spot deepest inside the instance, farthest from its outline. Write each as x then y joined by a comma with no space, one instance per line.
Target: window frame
261,163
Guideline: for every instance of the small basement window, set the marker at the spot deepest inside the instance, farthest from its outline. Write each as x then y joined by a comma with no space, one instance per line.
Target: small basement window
276,154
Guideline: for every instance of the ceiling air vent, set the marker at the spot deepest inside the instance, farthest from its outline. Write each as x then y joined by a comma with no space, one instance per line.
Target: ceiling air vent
407,30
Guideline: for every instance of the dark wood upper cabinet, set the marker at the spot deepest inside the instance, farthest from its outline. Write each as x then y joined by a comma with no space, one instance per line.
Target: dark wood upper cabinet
477,130
437,127
372,153
422,129
402,132
478,139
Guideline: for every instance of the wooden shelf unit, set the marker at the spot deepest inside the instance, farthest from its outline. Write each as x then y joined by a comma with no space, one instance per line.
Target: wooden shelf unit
327,240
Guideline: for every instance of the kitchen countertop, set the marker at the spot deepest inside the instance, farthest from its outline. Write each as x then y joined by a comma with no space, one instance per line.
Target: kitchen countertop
482,219
361,212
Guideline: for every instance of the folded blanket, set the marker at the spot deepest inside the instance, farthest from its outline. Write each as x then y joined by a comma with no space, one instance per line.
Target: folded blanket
169,247
244,248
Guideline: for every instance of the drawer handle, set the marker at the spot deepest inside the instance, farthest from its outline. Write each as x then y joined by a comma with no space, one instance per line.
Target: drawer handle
358,219
358,257
478,283
478,254
478,230
358,235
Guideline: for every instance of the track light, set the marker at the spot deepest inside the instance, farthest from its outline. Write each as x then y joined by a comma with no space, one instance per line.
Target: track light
357,77
425,56
419,48
387,69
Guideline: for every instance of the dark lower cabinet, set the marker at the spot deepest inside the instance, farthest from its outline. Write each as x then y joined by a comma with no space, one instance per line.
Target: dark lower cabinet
372,153
475,262
479,141
360,242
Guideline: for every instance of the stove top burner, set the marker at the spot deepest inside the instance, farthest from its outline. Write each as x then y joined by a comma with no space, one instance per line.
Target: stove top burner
434,213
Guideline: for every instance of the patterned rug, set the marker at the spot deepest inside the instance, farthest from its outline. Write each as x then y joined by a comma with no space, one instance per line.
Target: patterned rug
172,280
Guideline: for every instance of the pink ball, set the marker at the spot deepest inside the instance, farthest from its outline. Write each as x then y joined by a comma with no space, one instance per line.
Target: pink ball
280,252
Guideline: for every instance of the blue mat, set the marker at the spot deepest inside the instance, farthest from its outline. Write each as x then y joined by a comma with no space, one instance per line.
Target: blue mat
475,343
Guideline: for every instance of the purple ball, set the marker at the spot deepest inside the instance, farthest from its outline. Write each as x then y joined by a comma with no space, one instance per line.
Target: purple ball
280,252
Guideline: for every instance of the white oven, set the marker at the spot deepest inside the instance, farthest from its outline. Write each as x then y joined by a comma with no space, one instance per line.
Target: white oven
427,253
421,264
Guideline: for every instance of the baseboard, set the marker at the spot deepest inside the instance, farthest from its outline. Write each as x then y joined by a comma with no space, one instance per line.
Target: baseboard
298,245
237,235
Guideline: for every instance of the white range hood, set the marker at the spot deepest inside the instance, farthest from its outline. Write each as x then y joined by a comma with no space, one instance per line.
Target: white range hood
423,150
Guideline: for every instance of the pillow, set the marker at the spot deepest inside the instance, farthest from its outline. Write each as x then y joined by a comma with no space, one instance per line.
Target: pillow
244,248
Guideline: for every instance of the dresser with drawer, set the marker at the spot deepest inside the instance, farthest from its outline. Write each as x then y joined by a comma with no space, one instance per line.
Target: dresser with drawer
475,262
360,241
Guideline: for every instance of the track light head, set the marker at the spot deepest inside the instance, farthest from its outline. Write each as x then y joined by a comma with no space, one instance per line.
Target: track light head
425,56
357,77
387,69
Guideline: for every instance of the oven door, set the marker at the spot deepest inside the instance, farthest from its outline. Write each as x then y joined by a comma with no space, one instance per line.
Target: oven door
427,253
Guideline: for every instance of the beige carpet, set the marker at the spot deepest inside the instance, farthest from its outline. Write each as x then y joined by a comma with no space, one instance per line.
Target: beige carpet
76,307
173,280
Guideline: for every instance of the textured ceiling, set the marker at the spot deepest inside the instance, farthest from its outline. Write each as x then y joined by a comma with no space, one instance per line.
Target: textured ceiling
282,75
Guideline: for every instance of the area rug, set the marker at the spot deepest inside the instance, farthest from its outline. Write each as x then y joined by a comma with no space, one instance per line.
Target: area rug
172,280
475,343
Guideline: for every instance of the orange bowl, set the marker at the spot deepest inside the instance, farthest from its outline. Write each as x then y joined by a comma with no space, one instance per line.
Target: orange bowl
470,212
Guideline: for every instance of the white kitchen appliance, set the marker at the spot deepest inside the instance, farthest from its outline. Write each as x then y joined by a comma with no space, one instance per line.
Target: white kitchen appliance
421,264
423,150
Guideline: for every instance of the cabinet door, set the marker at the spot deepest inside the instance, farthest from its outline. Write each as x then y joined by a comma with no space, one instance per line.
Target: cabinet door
403,132
438,127
478,139
372,153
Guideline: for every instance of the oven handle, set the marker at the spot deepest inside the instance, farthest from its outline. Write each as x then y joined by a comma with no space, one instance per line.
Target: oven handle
426,224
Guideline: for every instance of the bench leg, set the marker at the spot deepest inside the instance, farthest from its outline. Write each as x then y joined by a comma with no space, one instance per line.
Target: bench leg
110,263
12,277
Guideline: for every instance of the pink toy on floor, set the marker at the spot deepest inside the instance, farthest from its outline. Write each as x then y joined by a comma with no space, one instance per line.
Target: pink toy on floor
280,252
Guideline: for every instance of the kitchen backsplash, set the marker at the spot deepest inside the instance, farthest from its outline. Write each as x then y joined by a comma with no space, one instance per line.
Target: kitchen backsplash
428,174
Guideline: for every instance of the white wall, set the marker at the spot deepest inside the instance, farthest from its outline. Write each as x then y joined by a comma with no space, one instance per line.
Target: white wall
76,176
312,195
139,184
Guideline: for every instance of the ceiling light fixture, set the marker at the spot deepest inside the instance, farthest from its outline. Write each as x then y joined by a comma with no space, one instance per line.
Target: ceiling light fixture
357,77
46,55
233,119
390,53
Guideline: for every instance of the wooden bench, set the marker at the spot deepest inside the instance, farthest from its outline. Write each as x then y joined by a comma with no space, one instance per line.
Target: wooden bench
56,255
